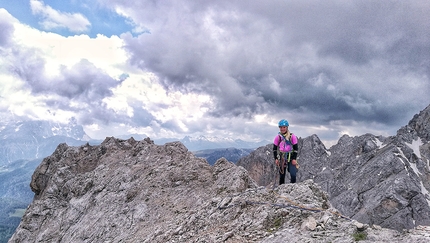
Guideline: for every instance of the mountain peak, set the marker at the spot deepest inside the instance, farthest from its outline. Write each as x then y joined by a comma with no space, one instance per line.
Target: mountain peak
420,123
36,139
372,179
136,191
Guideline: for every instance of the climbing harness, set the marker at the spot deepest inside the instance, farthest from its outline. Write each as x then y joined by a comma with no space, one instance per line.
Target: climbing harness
281,155
286,138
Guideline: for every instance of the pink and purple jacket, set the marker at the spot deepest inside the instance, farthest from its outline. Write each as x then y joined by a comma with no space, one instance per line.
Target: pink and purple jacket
285,147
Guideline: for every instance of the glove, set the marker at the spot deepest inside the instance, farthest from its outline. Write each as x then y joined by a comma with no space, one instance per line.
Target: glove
294,162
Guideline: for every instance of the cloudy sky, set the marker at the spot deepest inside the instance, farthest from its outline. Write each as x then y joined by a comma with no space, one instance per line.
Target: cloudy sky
220,68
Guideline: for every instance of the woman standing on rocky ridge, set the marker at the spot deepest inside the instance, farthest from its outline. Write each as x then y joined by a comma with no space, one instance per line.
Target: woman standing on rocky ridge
285,149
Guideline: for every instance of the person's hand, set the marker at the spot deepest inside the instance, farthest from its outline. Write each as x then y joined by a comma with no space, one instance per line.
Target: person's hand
294,162
277,162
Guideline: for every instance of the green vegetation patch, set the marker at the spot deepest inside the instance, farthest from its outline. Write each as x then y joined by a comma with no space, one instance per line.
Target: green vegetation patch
359,236
274,223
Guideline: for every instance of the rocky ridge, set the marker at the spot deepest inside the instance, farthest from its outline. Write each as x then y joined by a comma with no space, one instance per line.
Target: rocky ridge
372,179
136,191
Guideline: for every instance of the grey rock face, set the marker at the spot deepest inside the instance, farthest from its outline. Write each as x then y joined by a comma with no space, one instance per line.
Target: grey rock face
136,191
260,165
372,179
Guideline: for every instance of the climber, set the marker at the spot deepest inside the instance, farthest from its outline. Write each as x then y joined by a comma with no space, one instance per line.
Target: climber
286,158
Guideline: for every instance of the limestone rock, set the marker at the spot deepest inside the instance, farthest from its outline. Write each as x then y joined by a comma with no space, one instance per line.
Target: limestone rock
372,179
136,191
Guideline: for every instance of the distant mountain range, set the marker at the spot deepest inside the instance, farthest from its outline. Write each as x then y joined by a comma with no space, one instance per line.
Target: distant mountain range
24,144
204,143
231,154
199,143
28,140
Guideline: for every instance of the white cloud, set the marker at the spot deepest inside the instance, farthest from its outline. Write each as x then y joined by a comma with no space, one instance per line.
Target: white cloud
54,56
53,19
228,68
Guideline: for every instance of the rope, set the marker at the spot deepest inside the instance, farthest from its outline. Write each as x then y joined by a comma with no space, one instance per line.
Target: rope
282,162
311,209
290,204
281,167
279,205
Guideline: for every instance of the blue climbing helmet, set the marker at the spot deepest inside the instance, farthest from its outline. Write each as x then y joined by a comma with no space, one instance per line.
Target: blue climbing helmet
283,123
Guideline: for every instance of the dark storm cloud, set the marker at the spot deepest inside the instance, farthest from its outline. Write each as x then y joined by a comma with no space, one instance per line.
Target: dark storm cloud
335,60
353,53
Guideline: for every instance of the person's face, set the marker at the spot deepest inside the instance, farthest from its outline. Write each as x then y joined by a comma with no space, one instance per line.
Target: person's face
283,129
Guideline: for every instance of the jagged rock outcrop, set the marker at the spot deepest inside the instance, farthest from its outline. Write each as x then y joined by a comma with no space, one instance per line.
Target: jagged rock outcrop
375,180
136,191
260,165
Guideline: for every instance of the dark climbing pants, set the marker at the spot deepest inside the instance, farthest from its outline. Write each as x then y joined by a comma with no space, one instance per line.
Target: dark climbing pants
291,168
